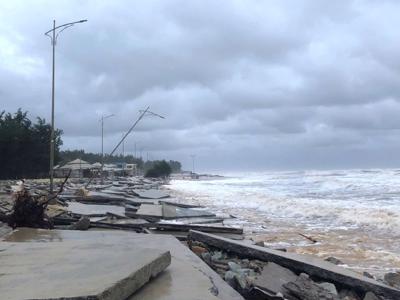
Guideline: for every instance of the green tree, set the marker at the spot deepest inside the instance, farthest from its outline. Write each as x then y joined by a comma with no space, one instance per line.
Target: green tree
24,146
159,169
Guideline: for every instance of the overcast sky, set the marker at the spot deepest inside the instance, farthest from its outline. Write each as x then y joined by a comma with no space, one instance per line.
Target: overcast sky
244,85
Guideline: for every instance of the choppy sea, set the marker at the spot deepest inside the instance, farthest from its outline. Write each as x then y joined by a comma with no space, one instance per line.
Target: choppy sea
353,214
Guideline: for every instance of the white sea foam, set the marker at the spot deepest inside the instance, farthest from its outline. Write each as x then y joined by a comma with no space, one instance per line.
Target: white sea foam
355,213
314,198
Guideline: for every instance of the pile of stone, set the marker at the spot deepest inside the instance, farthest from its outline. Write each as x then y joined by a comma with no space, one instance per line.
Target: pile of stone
261,273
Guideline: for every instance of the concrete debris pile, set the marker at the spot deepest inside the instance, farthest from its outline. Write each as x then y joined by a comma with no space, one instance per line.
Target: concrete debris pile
261,273
134,204
134,247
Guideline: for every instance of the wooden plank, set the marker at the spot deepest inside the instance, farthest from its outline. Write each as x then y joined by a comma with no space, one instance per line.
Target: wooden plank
299,263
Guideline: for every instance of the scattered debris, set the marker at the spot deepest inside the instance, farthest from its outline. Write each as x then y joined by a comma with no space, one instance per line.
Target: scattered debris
334,260
319,279
308,237
137,205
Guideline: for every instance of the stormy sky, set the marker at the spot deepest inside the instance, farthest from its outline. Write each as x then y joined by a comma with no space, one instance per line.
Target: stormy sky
244,85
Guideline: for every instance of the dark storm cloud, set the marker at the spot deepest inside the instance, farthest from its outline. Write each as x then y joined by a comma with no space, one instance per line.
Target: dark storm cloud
243,84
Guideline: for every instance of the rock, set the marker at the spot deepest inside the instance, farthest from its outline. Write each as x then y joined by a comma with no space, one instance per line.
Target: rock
198,250
348,295
334,260
393,279
82,224
315,267
259,243
256,265
237,281
234,267
220,267
218,255
281,249
329,286
273,277
242,281
371,296
230,279
305,288
366,274
258,294
206,256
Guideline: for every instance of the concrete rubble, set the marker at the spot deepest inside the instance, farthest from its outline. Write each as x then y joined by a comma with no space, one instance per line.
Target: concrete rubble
77,269
262,273
127,239
187,276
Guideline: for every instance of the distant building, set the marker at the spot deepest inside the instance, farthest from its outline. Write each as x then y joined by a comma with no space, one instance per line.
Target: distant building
130,169
78,167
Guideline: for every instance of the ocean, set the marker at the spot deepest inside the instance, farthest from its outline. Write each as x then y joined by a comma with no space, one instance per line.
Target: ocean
353,214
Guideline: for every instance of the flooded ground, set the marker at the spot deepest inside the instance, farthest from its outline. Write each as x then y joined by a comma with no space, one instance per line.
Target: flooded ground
353,215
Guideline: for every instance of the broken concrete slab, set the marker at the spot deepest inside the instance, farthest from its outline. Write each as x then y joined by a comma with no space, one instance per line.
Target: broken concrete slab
76,269
150,210
95,209
150,194
188,277
273,277
187,227
200,220
299,263
181,212
183,235
304,288
166,211
174,201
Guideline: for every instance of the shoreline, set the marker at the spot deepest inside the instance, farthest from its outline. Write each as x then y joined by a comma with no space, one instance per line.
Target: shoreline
360,249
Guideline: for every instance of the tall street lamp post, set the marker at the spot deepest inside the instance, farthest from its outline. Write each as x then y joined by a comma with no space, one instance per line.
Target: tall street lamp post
53,35
193,158
102,145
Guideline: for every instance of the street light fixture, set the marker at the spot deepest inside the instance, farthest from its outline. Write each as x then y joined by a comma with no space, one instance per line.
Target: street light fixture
53,37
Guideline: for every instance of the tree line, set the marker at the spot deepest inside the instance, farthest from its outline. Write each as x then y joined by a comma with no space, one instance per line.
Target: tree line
92,158
25,146
25,149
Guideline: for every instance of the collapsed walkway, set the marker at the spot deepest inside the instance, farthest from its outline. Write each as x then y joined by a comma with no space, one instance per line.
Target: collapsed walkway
58,264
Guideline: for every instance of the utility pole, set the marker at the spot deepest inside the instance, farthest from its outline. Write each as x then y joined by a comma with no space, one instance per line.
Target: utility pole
135,150
193,157
102,145
53,37
123,158
142,114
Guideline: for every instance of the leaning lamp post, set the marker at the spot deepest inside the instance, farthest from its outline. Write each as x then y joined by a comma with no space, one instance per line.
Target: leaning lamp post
53,35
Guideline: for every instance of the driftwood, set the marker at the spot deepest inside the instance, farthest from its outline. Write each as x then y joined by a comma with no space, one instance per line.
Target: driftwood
29,210
308,237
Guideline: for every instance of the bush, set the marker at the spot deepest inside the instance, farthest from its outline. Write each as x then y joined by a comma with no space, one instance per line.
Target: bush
159,169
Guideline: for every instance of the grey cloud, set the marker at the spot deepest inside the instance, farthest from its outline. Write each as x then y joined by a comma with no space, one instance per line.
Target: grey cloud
244,85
